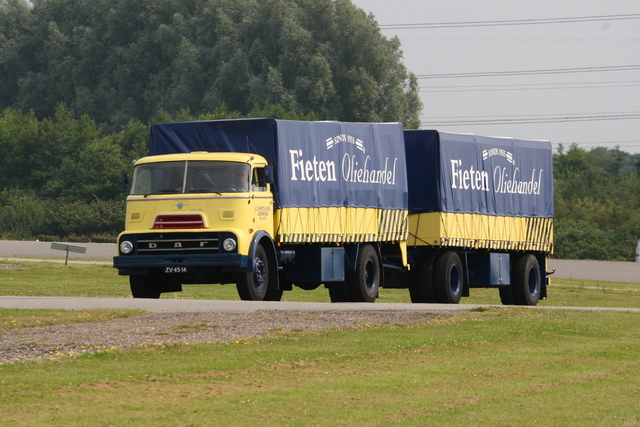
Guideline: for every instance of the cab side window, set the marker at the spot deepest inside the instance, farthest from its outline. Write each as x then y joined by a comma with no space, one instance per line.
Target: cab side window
257,180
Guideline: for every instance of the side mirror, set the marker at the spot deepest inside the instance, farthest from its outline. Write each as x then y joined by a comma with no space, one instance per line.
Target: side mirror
269,175
125,180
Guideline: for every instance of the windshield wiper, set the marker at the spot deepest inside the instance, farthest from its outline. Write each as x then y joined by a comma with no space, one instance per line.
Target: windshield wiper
163,192
200,190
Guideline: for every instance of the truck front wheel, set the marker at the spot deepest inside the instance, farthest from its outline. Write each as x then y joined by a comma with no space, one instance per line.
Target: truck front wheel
142,287
448,278
253,286
364,283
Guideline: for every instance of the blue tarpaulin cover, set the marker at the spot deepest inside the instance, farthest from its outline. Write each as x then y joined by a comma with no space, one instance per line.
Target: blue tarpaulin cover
318,164
466,173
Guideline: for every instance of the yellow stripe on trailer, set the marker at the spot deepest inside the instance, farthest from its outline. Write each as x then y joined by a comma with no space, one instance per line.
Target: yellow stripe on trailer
477,231
340,225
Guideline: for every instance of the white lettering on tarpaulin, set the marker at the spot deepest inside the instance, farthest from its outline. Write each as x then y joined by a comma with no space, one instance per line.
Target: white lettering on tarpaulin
352,172
311,170
498,152
331,142
468,178
504,181
506,184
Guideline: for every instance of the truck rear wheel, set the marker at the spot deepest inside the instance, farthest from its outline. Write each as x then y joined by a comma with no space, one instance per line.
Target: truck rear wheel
143,287
253,286
339,292
526,282
273,295
421,288
363,285
448,281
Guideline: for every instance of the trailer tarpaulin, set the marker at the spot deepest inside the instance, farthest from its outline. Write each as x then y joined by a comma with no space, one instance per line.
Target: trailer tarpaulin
318,164
466,173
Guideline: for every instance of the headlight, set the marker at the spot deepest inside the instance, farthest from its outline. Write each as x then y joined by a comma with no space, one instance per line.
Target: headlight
126,247
229,244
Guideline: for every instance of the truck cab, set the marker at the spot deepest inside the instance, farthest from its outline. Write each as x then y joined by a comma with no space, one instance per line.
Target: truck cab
194,218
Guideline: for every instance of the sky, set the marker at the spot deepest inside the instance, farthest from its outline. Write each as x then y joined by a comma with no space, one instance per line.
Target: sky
567,79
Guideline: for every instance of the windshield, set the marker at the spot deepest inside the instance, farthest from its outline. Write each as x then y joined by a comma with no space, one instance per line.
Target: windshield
190,177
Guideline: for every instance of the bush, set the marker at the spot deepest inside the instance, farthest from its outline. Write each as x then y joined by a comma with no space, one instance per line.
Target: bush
79,220
22,214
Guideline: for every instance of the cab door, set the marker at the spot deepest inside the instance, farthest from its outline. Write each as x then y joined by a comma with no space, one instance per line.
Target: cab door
262,201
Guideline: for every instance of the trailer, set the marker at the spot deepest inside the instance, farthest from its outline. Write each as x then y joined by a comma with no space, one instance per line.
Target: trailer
480,216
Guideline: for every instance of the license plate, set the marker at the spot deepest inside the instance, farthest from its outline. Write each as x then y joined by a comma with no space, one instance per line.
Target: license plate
171,270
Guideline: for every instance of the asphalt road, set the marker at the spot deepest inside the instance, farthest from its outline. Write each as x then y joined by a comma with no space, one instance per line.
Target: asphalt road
12,248
186,305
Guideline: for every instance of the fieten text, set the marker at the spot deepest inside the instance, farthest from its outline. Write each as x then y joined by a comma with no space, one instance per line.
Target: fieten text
352,171
503,182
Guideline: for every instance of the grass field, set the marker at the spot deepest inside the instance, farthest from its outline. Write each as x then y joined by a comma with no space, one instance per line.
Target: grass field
497,366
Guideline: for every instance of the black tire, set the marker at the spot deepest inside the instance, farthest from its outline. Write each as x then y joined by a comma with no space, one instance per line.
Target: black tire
273,295
526,281
421,287
339,292
363,285
143,287
253,286
506,295
448,281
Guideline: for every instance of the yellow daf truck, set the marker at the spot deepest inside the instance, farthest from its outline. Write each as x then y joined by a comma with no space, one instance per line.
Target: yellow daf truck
267,204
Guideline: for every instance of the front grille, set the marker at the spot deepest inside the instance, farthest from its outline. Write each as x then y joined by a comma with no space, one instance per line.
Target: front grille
176,243
178,221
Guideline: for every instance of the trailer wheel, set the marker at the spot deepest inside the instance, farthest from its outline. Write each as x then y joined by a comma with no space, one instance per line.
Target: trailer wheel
253,286
421,287
142,287
448,282
363,285
526,282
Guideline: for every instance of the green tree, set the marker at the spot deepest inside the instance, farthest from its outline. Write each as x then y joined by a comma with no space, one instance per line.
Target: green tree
65,157
123,60
20,137
597,204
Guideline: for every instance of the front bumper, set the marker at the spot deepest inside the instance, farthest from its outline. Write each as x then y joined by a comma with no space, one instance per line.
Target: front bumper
226,262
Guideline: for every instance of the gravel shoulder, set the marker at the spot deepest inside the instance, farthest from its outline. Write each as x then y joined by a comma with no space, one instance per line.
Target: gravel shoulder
163,329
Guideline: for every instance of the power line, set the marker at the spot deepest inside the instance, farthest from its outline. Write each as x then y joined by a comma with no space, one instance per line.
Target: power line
529,86
627,143
503,40
532,84
521,120
529,72
510,22
533,115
